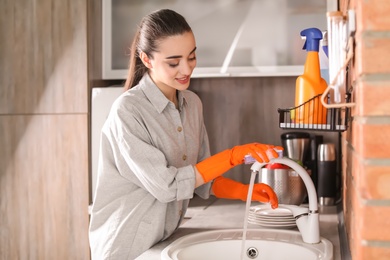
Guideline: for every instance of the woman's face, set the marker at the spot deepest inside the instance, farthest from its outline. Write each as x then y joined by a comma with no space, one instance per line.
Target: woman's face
173,63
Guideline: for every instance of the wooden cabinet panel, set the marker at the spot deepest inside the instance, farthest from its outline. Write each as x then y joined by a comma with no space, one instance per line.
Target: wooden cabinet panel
43,57
44,187
44,130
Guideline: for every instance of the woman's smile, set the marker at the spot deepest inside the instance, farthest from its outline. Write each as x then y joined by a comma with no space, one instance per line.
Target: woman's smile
184,80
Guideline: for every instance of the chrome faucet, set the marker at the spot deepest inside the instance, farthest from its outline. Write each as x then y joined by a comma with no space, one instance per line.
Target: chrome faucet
307,219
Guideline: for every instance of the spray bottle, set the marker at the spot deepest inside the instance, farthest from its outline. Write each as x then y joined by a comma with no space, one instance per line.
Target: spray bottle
310,83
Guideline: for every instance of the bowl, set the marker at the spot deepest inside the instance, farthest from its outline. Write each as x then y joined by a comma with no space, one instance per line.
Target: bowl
287,184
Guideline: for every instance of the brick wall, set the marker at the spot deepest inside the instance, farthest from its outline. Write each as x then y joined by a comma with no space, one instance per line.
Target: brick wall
366,145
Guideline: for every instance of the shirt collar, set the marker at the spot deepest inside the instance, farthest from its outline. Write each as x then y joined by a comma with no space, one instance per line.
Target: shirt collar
156,97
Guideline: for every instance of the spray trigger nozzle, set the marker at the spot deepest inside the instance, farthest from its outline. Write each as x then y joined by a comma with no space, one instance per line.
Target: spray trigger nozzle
312,38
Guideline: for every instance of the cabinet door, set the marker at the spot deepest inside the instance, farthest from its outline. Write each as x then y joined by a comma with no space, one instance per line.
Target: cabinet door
229,33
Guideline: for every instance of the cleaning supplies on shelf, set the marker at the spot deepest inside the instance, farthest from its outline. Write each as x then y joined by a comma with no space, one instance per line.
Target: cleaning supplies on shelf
337,116
310,83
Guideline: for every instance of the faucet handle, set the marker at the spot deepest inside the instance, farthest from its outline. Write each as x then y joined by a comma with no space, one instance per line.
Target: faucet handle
308,224
297,211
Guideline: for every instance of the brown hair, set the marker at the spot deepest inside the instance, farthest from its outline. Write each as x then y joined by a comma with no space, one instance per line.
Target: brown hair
152,29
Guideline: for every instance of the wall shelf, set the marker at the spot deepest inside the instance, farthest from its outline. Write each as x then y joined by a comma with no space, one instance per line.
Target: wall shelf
326,119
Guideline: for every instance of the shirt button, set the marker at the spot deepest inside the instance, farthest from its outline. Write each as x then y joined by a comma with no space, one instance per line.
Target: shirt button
179,129
184,157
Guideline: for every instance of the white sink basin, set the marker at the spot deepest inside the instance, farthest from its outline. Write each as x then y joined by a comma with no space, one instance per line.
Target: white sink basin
260,244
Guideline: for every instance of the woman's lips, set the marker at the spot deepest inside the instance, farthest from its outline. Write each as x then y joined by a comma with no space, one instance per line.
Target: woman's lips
184,80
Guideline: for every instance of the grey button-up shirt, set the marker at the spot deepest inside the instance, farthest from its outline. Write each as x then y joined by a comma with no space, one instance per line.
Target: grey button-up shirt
145,174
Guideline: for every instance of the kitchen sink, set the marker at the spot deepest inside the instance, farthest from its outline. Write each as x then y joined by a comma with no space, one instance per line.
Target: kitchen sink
259,244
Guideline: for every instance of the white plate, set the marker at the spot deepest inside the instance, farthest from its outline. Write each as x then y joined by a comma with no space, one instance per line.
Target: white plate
257,215
272,222
288,221
272,225
273,219
267,211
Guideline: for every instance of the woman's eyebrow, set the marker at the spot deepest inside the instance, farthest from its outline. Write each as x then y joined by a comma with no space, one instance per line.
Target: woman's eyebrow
179,56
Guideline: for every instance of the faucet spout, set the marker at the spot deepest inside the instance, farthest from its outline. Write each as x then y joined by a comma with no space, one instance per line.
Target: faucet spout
307,219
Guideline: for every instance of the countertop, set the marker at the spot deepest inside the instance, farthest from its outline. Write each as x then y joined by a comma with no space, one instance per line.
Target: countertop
204,215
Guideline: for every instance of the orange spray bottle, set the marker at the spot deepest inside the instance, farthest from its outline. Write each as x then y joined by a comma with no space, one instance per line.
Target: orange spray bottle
310,83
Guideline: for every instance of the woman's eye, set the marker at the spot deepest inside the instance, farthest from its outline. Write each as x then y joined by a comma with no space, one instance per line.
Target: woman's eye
192,58
173,65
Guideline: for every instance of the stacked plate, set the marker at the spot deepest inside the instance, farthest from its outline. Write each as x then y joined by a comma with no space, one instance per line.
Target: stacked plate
265,216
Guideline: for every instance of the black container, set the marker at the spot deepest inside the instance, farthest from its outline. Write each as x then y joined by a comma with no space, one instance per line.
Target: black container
311,161
327,174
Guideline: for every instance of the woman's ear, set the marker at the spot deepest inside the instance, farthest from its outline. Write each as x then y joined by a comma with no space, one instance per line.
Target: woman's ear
145,60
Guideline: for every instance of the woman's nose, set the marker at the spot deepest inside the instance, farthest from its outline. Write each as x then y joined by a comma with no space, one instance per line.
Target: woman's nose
187,67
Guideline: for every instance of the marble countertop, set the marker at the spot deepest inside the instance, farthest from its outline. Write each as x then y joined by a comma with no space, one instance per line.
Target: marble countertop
204,215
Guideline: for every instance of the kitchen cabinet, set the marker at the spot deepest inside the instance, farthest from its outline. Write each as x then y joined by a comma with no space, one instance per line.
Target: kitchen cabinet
234,37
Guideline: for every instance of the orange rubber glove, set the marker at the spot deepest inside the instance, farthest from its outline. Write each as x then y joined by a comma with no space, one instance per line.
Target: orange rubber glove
220,163
225,188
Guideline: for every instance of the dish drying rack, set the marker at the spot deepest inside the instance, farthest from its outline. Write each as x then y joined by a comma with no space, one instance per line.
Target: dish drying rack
331,119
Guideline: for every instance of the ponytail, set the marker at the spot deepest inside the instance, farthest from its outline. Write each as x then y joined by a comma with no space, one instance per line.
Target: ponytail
136,68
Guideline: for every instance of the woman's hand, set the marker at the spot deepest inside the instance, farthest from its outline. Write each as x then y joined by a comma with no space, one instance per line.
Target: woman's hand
229,189
260,152
220,163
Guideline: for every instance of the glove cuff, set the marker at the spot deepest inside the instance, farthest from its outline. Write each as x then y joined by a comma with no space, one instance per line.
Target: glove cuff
214,166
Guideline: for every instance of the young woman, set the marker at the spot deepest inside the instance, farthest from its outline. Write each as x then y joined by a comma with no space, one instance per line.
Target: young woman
154,151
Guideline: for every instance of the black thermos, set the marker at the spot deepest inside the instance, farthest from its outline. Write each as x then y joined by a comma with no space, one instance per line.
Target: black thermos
326,174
